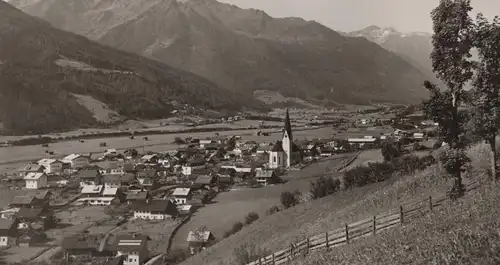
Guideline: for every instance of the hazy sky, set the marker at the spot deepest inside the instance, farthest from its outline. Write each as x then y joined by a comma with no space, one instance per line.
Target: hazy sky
349,15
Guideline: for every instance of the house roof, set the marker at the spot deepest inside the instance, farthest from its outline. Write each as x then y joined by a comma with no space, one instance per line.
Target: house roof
196,162
147,173
32,168
264,174
148,157
112,178
47,161
92,189
140,196
28,213
225,179
109,191
278,147
88,173
39,194
204,180
6,224
181,192
156,206
23,200
129,243
116,261
198,236
71,157
34,176
81,242
148,181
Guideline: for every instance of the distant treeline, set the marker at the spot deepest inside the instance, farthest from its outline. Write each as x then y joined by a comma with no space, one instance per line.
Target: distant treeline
264,118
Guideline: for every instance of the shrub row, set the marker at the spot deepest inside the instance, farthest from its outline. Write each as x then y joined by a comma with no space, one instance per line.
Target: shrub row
249,218
380,171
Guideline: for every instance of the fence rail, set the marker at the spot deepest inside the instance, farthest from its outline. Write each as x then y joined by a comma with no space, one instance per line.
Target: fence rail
360,229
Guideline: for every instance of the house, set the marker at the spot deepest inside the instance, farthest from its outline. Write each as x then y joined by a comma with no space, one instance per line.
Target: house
36,181
30,168
111,168
224,181
205,180
193,165
266,177
147,173
76,161
8,232
80,247
129,168
99,195
211,147
367,140
418,136
204,142
149,183
57,181
150,159
182,195
27,217
112,181
89,177
199,240
137,196
51,165
155,210
261,150
24,201
133,248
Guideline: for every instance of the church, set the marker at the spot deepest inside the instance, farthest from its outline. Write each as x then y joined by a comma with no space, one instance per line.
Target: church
285,153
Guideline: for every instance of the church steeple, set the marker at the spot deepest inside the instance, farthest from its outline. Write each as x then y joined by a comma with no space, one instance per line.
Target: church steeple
288,126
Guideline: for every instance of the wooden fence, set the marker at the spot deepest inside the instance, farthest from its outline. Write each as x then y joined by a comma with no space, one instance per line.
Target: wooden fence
364,228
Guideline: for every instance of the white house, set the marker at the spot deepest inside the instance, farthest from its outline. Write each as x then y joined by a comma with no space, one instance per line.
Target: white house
76,161
51,165
134,249
36,181
155,210
8,232
181,195
192,166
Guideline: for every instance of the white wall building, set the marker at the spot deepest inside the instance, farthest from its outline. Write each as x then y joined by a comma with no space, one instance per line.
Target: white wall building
76,161
51,165
36,181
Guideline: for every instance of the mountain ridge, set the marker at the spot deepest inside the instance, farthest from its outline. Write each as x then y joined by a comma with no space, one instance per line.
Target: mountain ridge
244,50
42,66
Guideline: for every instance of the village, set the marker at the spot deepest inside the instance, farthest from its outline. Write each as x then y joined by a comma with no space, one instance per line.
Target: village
124,207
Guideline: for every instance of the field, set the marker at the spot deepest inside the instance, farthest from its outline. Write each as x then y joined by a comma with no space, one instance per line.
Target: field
20,254
6,196
457,233
230,207
310,218
155,143
76,220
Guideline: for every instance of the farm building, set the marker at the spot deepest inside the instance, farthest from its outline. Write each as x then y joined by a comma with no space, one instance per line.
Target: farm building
199,240
182,195
36,181
51,165
155,210
133,248
8,232
266,177
76,161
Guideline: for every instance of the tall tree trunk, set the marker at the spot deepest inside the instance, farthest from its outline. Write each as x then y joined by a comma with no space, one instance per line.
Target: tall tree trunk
492,142
455,141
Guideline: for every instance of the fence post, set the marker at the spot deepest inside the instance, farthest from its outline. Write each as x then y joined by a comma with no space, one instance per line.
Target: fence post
430,203
307,249
274,263
291,251
374,224
401,214
260,260
346,233
326,236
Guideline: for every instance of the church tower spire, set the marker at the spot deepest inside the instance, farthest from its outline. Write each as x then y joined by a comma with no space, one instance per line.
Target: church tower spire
288,140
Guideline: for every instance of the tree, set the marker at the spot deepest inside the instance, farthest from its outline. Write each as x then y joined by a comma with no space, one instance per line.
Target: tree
486,93
452,42
390,150
290,199
324,187
251,217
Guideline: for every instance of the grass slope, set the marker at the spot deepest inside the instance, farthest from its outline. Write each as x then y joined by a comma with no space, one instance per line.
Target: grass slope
465,232
275,232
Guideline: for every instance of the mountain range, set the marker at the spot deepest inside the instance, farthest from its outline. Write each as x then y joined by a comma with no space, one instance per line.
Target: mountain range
242,50
41,68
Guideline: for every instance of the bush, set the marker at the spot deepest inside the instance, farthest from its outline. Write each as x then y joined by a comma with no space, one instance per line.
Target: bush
390,150
251,217
437,145
176,256
179,140
290,199
235,229
272,210
324,187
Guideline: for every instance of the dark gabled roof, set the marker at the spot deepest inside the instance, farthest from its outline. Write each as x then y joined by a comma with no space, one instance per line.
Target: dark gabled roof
88,173
147,173
156,206
295,148
112,178
137,196
278,147
148,182
127,177
39,194
204,180
131,243
116,261
32,168
6,224
23,200
225,179
227,171
28,213
81,242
